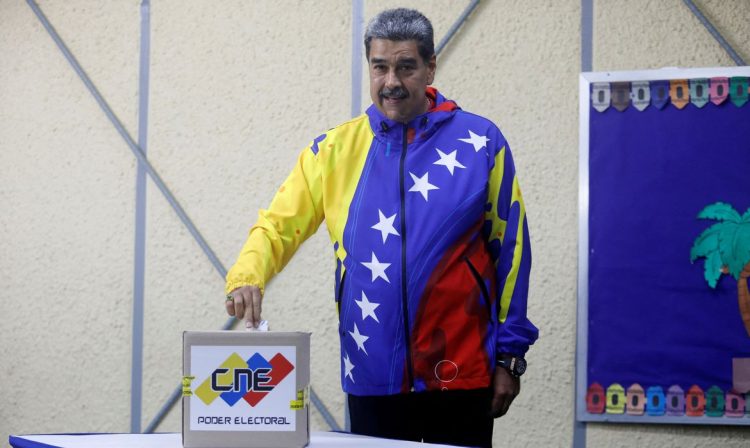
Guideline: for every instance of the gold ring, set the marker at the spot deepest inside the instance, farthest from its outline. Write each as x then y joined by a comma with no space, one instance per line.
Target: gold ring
230,298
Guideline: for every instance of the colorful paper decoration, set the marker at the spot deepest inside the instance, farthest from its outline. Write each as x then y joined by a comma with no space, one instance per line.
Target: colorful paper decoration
714,402
675,401
600,96
620,95
719,89
695,404
659,93
615,399
679,92
640,94
595,399
635,400
738,90
735,404
655,401
699,91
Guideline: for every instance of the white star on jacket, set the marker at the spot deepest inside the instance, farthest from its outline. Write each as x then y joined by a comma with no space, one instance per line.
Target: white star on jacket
448,160
348,367
477,141
367,307
359,339
422,184
377,268
385,226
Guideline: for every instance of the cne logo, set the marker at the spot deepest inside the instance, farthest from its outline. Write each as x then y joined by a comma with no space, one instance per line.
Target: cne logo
250,380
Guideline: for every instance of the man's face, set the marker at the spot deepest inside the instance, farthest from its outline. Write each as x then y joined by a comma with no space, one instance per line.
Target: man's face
398,78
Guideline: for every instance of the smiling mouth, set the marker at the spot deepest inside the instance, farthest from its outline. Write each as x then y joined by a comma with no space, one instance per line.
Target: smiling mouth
390,99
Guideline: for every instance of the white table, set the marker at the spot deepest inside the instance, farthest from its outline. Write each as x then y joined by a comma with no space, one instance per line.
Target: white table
174,440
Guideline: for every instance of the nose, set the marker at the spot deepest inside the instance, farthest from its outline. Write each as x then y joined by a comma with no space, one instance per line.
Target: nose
391,80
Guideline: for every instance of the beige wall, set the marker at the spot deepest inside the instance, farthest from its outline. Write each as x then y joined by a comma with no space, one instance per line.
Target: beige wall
237,89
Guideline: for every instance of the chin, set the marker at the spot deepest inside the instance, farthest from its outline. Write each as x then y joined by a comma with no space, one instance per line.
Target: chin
394,116
391,115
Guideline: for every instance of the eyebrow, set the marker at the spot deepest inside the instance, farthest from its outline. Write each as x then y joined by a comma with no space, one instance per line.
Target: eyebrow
412,61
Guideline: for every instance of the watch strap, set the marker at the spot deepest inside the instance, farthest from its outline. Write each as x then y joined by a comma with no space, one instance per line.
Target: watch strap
515,365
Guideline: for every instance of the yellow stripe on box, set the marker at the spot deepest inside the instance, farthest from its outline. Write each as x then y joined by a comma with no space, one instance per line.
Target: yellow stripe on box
204,391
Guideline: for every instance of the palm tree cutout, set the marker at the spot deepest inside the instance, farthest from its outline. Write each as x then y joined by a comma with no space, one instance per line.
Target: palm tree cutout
726,247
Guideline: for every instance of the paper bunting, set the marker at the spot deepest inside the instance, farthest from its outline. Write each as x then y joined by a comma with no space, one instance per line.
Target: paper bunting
620,95
738,90
695,403
600,96
735,404
680,92
595,399
615,399
640,94
699,91
714,402
659,93
636,400
675,401
719,90
655,401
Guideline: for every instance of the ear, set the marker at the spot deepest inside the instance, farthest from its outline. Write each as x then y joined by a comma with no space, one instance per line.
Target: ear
431,67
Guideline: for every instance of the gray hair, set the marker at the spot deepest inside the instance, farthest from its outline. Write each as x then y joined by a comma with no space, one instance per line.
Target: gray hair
402,24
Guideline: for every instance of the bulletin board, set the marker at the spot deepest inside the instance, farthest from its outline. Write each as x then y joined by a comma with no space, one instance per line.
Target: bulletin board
664,247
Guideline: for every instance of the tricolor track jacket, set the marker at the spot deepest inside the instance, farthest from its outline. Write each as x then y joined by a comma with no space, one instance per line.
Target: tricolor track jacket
431,242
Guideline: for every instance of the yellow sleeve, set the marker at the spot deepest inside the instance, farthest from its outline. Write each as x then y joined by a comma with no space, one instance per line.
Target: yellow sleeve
294,215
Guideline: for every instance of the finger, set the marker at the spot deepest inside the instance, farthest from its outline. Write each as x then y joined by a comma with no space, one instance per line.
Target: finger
501,404
506,404
230,305
256,298
248,313
508,401
502,408
239,305
495,409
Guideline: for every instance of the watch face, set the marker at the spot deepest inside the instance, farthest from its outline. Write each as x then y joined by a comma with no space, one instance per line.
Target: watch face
520,366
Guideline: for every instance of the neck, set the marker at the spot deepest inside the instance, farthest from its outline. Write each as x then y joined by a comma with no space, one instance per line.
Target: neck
422,110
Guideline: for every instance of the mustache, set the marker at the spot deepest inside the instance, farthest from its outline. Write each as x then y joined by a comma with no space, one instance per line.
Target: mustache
396,93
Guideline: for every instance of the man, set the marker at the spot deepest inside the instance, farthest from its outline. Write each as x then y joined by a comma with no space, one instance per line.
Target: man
429,231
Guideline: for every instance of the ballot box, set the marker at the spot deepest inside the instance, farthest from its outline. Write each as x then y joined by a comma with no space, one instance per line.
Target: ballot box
245,389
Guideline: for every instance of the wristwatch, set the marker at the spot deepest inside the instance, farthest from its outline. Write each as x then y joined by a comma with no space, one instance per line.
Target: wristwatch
515,365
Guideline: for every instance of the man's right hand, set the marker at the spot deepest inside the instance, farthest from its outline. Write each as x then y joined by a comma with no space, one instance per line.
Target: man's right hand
246,305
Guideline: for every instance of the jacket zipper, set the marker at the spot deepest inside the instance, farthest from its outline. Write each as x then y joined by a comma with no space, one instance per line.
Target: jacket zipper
339,298
405,307
482,286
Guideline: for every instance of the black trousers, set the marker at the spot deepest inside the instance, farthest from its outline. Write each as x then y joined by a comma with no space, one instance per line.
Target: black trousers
455,417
